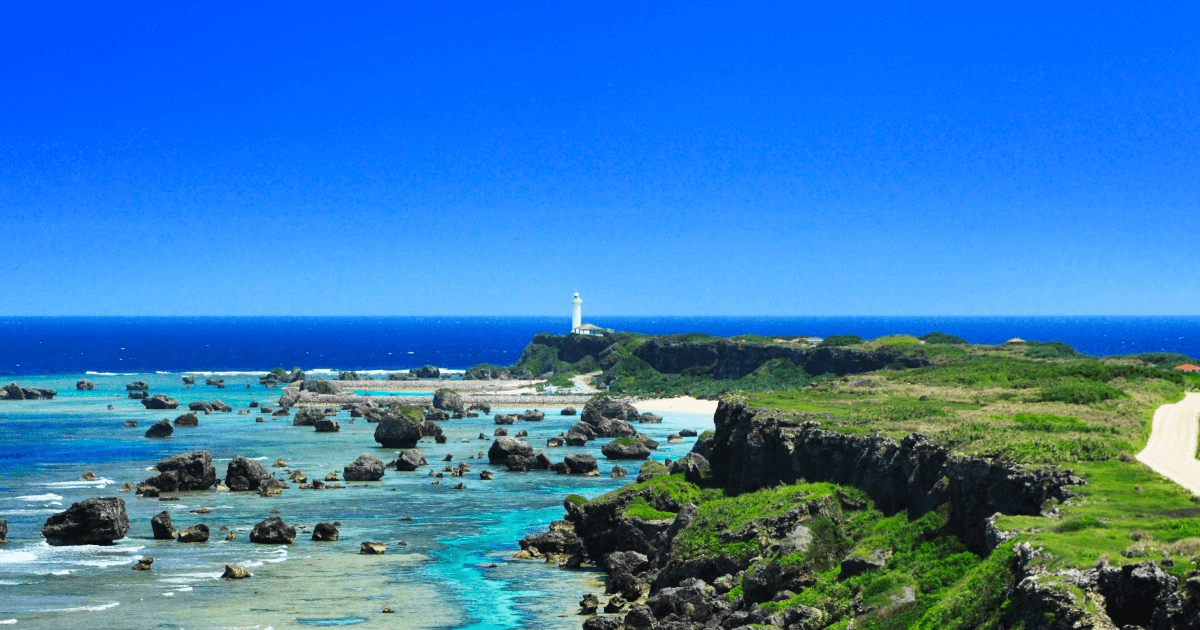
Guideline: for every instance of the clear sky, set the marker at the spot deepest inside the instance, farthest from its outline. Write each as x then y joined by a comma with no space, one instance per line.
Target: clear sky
724,158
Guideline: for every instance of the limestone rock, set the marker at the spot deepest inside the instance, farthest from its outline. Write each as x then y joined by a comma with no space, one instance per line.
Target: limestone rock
162,526
372,549
273,531
245,474
365,468
194,534
326,532
235,572
98,521
160,401
190,471
409,460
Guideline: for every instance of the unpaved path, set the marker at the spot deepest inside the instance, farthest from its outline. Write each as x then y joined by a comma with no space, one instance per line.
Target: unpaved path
1171,450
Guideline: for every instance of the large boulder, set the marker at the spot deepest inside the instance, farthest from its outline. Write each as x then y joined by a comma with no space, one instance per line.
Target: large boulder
365,468
160,401
3,530
160,429
13,391
188,419
194,534
200,405
504,446
217,405
532,415
137,386
245,474
84,385
649,418
397,430
325,532
625,448
307,417
273,531
605,408
97,521
162,526
581,464
321,386
427,371
190,471
327,425
447,400
409,460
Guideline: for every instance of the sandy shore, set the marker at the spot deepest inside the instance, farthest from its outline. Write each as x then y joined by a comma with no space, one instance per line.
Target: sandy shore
682,404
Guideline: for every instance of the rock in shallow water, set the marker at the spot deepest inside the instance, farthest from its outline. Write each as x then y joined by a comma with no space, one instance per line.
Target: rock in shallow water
162,526
372,549
235,572
273,531
194,534
326,532
160,429
245,474
97,521
365,468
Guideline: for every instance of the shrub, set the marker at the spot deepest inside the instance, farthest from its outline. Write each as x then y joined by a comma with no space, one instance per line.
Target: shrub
1080,392
841,340
1051,350
942,339
639,508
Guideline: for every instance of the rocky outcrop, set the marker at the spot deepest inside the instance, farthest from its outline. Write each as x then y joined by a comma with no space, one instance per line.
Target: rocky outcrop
448,400
13,391
327,425
325,532
731,360
427,371
573,348
397,430
84,385
307,417
246,474
160,429
581,464
625,448
162,526
321,386
187,420
365,468
97,521
3,530
160,401
190,471
409,460
273,531
194,534
756,449
504,447
235,572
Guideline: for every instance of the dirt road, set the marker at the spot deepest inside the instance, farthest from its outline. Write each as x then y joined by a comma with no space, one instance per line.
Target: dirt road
1171,450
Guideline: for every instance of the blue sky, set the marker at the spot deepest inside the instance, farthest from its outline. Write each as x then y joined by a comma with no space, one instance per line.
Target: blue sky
674,159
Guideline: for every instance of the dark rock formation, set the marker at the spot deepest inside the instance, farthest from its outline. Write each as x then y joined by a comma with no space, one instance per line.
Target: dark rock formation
648,418
625,449
3,530
162,526
568,411
753,450
273,531
137,386
572,348
325,532
505,419
581,464
246,474
194,534
448,400
138,394
327,425
409,460
321,386
187,420
604,408
97,521
307,417
532,415
372,548
504,447
13,391
427,371
217,405
160,401
144,564
365,468
397,430
730,360
188,379
190,471
84,385
160,429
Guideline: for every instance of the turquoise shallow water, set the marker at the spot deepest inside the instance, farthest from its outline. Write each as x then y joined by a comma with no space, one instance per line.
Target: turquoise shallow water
441,578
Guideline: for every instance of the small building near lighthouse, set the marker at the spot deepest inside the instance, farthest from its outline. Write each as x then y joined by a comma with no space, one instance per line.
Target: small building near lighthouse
577,325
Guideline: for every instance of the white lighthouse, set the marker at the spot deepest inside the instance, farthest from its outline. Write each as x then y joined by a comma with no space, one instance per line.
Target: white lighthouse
576,313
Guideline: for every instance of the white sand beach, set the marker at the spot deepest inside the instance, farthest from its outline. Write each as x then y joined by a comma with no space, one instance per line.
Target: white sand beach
681,404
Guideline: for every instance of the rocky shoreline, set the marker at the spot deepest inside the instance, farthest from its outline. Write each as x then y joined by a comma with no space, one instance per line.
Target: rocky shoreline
650,587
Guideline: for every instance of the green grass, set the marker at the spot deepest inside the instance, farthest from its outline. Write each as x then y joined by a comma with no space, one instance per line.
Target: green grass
633,376
639,508
834,341
941,338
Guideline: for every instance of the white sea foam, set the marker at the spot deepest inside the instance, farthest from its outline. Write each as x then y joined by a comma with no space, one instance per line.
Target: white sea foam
40,497
102,482
30,512
89,372
83,608
103,563
168,594
191,578
9,583
7,622
160,372
17,557
62,572
184,589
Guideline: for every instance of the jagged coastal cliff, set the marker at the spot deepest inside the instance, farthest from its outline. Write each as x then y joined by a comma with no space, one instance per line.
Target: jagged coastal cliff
898,484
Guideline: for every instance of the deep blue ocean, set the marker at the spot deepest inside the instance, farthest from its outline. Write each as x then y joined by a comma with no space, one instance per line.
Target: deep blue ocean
60,345
449,567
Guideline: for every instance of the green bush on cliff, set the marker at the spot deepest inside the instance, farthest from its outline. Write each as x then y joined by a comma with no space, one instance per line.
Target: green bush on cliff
1050,350
1077,391
833,341
639,508
942,339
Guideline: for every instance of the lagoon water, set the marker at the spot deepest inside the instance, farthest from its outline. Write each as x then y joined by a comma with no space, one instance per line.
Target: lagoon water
443,577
